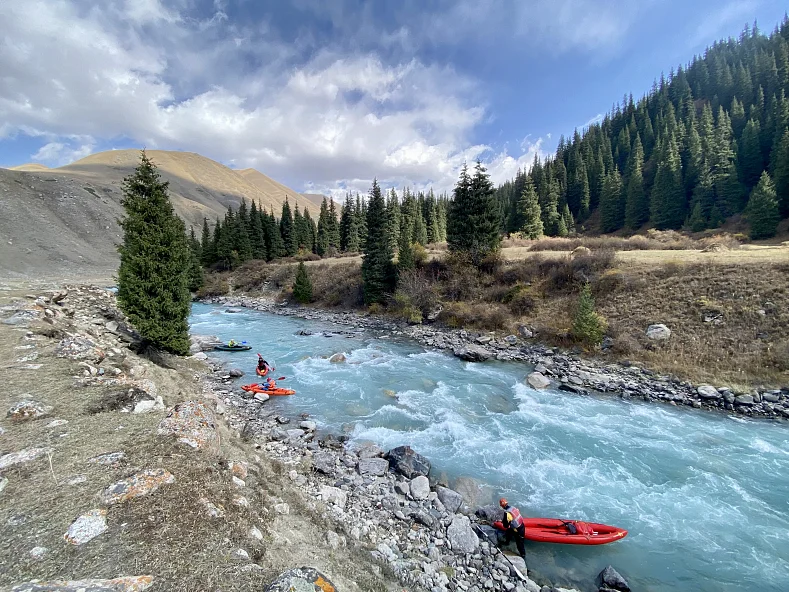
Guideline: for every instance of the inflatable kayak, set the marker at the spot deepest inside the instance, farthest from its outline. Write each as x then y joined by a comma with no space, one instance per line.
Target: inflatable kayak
569,532
225,347
260,372
275,392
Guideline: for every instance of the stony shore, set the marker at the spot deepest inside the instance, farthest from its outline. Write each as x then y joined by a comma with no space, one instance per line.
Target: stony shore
270,493
552,367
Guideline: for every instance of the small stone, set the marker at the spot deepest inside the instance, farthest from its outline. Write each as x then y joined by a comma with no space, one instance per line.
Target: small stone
38,552
242,554
240,501
236,373
109,459
87,527
21,457
3,483
301,579
211,509
538,381
261,397
461,536
137,485
310,426
56,423
334,495
420,487
255,533
282,508
525,332
238,468
613,580
334,540
337,358
238,482
148,405
28,410
451,499
376,467
658,332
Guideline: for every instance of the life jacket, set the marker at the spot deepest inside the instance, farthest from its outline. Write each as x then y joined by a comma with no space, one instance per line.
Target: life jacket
514,517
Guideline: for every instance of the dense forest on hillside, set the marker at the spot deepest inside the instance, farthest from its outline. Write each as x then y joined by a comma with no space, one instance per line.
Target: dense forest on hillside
709,141
689,154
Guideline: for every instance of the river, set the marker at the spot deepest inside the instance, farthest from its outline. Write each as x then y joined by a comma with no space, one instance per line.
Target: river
705,496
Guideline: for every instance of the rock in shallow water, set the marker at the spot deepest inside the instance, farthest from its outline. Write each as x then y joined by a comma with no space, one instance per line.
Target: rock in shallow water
538,381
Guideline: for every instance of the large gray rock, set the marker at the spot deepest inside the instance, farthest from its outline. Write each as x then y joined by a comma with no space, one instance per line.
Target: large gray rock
473,353
405,461
658,332
707,391
23,456
613,580
121,584
461,536
376,467
140,484
87,527
490,512
324,462
78,348
745,400
420,487
334,495
27,410
475,493
451,499
525,332
192,423
538,381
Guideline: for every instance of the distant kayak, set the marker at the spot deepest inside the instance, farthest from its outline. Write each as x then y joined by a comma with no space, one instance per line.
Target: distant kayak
226,347
554,530
275,392
260,372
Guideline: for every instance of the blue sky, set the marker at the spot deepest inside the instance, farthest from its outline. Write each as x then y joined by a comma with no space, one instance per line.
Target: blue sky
324,95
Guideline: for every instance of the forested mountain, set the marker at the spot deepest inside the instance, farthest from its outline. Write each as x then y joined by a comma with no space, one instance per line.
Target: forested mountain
689,154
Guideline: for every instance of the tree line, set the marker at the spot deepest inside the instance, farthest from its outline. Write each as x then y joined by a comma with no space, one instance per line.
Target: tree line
709,141
253,233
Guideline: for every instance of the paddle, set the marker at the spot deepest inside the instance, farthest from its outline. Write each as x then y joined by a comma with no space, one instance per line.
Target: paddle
495,546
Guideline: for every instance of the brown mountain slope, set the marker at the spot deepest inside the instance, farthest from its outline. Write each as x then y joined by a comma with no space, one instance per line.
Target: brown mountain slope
276,189
30,167
63,221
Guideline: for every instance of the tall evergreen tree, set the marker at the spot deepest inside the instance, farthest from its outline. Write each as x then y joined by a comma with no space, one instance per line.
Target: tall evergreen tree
287,230
529,216
612,204
781,173
195,267
636,200
333,228
750,155
668,201
311,231
153,277
257,233
302,286
378,273
762,210
207,248
323,244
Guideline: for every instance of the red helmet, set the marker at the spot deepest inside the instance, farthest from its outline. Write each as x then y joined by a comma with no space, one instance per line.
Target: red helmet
503,502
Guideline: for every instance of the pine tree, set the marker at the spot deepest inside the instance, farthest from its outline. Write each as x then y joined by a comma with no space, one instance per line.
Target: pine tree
567,219
750,155
242,243
153,277
762,210
287,231
225,246
378,274
277,247
459,235
298,229
333,228
529,216
588,326
781,174
323,239
420,231
257,233
311,232
195,267
636,201
668,203
207,248
405,254
361,222
612,204
302,287
393,220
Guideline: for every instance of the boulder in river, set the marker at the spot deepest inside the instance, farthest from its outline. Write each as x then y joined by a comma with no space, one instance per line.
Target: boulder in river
451,499
337,358
707,391
472,353
405,461
610,579
537,381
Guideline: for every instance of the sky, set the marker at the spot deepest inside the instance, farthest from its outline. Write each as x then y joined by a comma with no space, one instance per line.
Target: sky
325,95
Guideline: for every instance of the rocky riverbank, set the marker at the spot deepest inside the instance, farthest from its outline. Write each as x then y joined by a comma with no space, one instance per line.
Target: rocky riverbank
129,462
552,367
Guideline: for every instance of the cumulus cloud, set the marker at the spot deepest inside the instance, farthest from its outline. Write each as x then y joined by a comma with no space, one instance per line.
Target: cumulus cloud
170,79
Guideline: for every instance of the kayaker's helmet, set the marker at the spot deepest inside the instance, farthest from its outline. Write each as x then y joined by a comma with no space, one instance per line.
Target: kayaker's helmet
503,502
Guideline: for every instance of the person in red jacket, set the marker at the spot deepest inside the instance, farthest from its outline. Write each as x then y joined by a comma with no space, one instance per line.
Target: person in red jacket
512,524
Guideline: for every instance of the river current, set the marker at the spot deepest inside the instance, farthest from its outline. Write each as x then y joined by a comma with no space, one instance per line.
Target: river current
705,497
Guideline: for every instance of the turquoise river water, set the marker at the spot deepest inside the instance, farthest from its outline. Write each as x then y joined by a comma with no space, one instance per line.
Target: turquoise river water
704,496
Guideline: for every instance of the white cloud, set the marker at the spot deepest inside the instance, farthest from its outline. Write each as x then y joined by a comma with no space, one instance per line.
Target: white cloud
728,13
140,71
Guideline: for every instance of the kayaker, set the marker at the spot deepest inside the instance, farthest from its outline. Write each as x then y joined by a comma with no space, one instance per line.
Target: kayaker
269,384
513,525
264,366
232,343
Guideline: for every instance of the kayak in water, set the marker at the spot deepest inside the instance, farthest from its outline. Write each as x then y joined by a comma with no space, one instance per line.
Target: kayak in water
260,372
233,347
568,532
274,392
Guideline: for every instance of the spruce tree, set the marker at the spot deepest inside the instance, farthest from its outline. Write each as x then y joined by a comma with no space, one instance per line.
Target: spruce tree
588,327
781,174
257,233
636,201
323,239
334,228
750,155
459,233
207,248
361,222
668,201
529,215
287,231
153,277
405,254
568,220
195,267
311,231
225,246
302,287
378,274
762,211
242,243
612,205
277,247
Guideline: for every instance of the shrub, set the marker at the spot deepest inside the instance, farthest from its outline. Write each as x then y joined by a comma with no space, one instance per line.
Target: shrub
588,326
419,289
479,315
419,254
404,308
523,302
337,284
215,284
302,287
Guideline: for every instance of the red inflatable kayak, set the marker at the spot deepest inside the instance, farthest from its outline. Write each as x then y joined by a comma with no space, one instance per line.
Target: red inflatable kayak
258,388
554,530
260,372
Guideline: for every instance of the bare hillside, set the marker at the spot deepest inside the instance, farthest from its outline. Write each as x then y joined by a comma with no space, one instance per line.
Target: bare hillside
30,167
63,222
